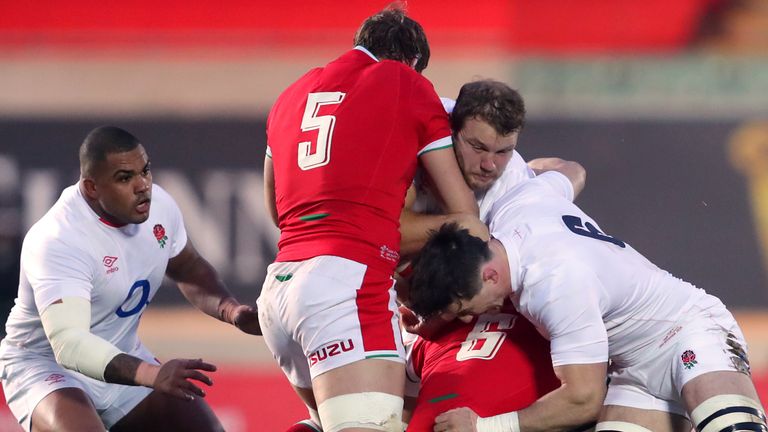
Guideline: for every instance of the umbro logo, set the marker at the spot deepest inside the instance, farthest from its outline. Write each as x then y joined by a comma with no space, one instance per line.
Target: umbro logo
55,378
109,261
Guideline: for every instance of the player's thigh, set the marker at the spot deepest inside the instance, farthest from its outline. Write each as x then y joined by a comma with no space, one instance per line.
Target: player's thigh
629,406
34,386
366,395
307,395
161,412
631,419
712,371
328,312
65,410
718,400
372,375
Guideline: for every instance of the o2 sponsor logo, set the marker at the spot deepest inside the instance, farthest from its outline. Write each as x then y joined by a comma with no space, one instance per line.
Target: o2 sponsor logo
130,305
330,350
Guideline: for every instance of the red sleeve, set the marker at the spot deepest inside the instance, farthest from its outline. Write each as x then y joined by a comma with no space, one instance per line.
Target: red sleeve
429,113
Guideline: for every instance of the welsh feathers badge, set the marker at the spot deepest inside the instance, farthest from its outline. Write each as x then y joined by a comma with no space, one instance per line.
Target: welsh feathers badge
159,233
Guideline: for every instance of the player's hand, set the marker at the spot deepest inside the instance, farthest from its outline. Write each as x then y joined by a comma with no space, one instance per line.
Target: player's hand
412,323
472,223
175,378
456,420
246,318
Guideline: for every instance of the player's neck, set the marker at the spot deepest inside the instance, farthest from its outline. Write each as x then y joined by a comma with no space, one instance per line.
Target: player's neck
500,261
104,217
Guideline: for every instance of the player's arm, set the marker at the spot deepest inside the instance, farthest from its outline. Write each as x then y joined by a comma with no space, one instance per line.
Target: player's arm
415,227
570,169
66,323
269,188
576,402
201,285
451,190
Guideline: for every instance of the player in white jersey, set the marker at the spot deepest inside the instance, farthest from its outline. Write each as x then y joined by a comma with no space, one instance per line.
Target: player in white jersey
89,268
676,354
485,124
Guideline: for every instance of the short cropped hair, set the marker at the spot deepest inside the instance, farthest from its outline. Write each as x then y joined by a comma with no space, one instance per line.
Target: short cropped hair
102,141
391,35
492,101
447,270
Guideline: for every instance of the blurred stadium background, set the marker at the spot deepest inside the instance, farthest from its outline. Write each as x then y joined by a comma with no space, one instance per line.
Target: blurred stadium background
664,102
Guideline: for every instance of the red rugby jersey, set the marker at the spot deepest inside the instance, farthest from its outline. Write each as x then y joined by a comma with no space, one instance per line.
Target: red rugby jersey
495,364
344,141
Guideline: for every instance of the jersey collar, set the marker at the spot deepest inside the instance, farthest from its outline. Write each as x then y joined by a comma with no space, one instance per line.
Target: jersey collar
363,49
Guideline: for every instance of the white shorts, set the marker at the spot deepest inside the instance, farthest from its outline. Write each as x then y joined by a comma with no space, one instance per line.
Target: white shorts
707,339
327,312
29,377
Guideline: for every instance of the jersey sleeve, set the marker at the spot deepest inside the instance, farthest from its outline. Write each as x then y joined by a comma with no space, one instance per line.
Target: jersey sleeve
55,270
558,183
431,118
562,300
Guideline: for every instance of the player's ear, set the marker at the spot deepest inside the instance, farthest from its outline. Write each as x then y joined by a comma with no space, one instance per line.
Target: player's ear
89,188
489,274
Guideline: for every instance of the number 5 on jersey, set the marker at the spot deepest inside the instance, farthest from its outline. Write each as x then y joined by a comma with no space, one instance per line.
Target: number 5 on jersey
323,124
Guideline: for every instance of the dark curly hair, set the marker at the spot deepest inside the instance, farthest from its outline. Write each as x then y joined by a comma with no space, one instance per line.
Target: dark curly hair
447,270
391,35
492,101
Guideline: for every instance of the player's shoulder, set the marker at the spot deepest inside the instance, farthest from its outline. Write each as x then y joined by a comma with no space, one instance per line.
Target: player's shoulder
64,215
163,204
160,194
62,229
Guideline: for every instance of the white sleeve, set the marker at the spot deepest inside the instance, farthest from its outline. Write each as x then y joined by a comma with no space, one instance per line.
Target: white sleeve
55,270
520,167
448,104
558,183
562,299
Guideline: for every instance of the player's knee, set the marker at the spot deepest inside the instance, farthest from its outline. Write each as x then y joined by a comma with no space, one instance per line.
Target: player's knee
729,412
619,426
369,410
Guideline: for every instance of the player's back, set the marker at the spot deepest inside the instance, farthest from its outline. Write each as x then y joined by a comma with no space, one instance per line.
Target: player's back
550,235
344,141
495,364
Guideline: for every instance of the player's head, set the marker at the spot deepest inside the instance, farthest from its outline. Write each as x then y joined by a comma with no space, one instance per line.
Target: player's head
452,276
115,176
486,122
391,35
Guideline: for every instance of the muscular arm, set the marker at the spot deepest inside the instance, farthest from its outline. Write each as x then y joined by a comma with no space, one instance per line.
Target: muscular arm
573,170
416,227
449,185
577,401
66,323
201,285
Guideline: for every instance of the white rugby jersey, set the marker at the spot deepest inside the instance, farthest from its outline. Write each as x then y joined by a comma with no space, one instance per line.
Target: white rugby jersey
71,252
515,172
590,293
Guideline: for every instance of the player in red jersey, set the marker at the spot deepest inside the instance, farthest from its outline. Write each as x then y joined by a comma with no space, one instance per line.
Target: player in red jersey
495,363
343,144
